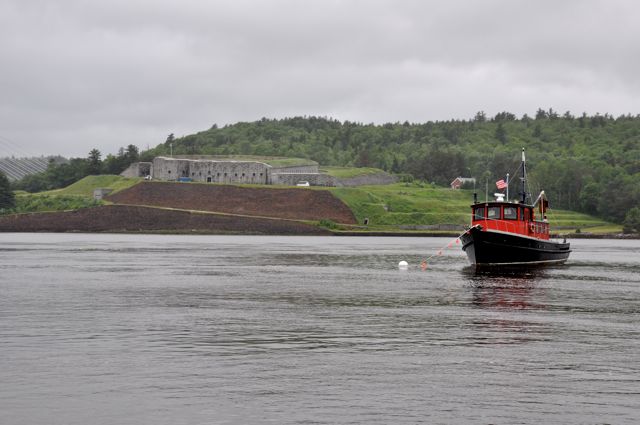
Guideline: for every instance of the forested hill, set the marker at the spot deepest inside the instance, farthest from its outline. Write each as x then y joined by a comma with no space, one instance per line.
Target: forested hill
584,163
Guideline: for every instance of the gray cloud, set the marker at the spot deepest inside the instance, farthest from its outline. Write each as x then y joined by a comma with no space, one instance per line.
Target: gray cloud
79,74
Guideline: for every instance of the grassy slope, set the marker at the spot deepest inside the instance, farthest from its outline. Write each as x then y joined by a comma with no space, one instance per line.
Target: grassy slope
75,196
85,186
348,172
569,222
403,204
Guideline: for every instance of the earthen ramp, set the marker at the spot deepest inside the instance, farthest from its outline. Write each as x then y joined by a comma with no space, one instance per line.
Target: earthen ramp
285,203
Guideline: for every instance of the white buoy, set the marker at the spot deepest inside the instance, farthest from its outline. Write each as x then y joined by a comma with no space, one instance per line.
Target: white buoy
403,265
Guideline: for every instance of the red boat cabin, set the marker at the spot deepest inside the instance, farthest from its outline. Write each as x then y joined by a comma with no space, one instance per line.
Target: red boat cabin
511,218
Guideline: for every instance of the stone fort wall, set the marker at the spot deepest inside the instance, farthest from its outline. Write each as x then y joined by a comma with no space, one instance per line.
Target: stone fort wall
227,171
247,172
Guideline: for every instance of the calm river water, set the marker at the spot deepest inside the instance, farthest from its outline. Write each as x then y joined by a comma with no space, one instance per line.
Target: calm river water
154,329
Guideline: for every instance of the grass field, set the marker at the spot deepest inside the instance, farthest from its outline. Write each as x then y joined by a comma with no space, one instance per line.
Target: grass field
571,222
75,196
348,172
406,204
413,204
85,186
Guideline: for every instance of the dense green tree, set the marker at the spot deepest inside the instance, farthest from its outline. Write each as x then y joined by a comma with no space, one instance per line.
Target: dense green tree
589,198
541,114
94,162
33,183
501,134
131,154
480,117
504,116
537,131
440,165
7,198
632,221
64,174
114,164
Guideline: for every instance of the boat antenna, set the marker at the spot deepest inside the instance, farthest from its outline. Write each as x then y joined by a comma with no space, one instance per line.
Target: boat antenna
523,194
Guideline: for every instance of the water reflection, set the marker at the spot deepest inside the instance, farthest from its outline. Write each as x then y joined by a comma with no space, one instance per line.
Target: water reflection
509,297
506,289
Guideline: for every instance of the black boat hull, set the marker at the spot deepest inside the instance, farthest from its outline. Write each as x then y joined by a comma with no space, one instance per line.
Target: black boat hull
494,248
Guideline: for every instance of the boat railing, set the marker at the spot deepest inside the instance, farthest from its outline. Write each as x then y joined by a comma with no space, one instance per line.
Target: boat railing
534,228
502,225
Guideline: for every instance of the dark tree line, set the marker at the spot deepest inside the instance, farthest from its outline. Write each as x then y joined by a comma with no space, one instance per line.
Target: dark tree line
62,174
7,198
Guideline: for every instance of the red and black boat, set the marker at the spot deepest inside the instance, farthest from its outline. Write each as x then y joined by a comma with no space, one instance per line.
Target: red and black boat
512,233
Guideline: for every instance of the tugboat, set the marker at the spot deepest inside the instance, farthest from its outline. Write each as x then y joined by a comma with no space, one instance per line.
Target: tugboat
507,233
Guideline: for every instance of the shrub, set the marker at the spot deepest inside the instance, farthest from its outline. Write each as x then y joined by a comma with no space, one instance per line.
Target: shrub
329,224
405,178
632,221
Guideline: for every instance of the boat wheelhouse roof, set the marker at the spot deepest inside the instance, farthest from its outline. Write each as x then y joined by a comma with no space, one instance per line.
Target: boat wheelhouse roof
497,203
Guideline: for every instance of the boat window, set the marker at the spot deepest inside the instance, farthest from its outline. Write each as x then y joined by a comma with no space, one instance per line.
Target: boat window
494,213
510,213
478,213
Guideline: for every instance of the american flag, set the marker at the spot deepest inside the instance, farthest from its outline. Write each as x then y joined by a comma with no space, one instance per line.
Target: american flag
500,184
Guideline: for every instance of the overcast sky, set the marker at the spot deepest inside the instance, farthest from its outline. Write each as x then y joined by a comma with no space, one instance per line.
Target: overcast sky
79,74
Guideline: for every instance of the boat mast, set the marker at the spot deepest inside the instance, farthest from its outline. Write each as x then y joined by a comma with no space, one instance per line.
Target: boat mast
507,187
523,194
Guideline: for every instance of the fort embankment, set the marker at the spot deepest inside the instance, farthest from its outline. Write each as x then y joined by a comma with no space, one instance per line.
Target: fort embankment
284,203
125,218
195,207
